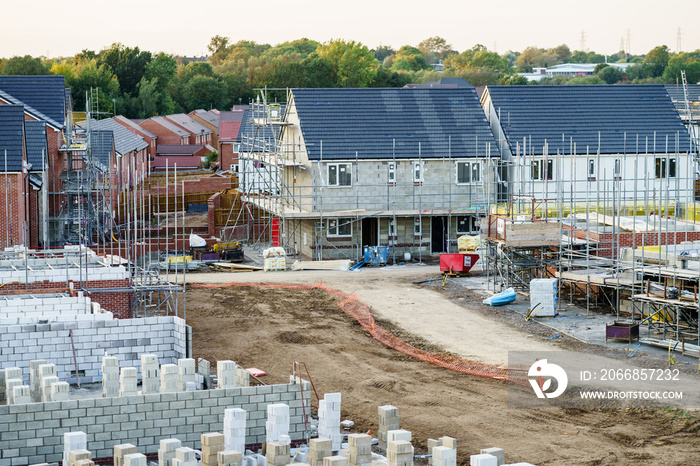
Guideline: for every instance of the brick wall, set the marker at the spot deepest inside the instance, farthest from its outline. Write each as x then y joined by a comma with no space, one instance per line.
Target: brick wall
608,243
126,339
12,215
33,433
165,136
206,184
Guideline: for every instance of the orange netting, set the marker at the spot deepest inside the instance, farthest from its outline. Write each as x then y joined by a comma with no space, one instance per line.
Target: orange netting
352,306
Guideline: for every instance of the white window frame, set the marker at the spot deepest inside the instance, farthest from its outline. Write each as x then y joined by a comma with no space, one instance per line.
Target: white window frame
417,227
391,172
334,231
466,232
417,168
337,166
617,169
540,168
665,168
473,167
591,169
391,228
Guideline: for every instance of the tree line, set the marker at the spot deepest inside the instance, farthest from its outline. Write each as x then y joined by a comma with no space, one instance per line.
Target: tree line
140,84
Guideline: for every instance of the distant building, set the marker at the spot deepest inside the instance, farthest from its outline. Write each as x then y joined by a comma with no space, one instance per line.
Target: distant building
569,70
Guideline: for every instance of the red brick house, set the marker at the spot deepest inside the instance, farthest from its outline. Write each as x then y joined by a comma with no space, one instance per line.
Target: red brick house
14,183
211,121
229,146
150,138
187,157
167,131
199,134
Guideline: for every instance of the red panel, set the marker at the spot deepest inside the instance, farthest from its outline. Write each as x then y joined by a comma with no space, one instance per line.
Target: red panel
457,262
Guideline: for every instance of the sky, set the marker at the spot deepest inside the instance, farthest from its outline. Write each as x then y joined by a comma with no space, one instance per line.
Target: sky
55,29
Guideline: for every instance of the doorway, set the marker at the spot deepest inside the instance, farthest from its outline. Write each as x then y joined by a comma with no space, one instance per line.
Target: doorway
438,239
370,231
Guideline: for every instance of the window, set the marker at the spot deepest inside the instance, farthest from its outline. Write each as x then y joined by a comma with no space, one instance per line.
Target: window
392,227
665,168
468,172
339,174
417,172
391,172
672,168
539,172
339,227
591,169
617,171
467,224
417,228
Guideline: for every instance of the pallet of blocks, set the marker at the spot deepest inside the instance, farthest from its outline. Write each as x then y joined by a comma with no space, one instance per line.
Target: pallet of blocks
242,377
446,442
234,429
329,419
128,381
13,378
226,374
212,443
60,391
186,373
166,452
73,441
135,459
443,456
388,420
34,379
335,461
399,453
110,376
120,451
319,448
185,456
80,458
360,449
47,376
499,453
21,395
150,376
483,460
278,453
277,423
229,458
168,378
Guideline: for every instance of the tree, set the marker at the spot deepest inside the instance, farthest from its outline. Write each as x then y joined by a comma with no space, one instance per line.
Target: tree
610,74
302,48
218,47
353,63
26,65
204,92
684,61
657,58
478,58
86,75
409,59
515,80
161,71
435,48
382,52
128,65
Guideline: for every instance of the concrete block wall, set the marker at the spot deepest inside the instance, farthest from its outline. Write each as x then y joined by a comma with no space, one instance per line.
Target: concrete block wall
33,433
126,339
59,272
21,310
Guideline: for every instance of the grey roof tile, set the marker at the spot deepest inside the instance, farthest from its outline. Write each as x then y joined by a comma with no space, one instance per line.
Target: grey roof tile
124,140
170,126
45,93
134,125
35,140
264,137
29,109
102,143
189,124
445,122
11,137
625,117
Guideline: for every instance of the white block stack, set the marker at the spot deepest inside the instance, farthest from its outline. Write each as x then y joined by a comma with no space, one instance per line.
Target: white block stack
135,459
35,379
543,297
242,377
186,372
329,419
21,395
150,374
399,453
120,451
212,444
168,378
499,453
60,391
73,441
360,449
335,461
80,458
234,429
46,383
110,376
230,458
10,385
226,374
483,460
128,381
185,457
388,420
166,452
444,456
278,454
319,448
277,421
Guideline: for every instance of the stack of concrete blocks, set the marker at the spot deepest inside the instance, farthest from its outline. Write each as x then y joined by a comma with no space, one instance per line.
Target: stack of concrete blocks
185,456
120,451
446,442
110,376
128,381
60,391
319,449
399,452
47,376
13,378
242,377
388,420
135,459
150,377
3,395
335,461
204,369
80,458
229,458
168,378
278,453
186,372
499,453
329,419
277,421
35,379
21,395
234,429
360,449
483,460
73,441
443,456
212,444
226,374
191,386
166,452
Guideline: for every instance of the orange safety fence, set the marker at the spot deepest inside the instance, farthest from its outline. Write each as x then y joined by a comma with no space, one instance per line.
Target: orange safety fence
352,306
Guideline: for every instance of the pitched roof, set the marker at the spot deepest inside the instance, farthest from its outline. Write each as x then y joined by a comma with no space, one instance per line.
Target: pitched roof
11,137
170,126
102,144
189,124
177,149
228,131
675,91
124,140
620,115
35,141
45,93
443,122
264,138
29,109
210,117
131,124
234,115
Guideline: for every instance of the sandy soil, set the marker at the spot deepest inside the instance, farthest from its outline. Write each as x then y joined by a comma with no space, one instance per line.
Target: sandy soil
269,329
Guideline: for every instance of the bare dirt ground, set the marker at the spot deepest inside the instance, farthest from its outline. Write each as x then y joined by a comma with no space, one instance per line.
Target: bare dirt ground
271,328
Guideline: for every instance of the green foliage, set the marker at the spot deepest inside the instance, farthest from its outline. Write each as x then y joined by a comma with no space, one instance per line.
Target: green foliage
26,65
657,59
515,80
204,92
610,74
353,63
435,48
211,157
409,59
480,61
382,52
86,75
688,62
128,65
